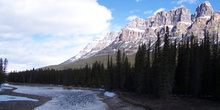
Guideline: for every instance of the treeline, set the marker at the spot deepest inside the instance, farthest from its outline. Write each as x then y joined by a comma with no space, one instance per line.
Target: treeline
189,68
86,77
3,66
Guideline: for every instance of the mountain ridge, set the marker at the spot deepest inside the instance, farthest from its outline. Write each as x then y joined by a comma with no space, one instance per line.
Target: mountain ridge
180,22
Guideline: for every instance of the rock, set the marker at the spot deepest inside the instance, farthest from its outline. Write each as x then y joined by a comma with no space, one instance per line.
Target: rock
205,9
213,25
180,14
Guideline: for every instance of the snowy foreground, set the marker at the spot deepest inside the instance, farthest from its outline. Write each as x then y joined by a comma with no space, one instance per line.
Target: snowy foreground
63,99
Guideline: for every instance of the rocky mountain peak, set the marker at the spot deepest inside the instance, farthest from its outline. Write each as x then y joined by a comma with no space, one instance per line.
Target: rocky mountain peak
137,23
180,14
204,9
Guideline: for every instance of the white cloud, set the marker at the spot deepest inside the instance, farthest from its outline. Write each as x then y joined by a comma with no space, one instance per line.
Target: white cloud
148,12
130,18
37,33
159,10
138,0
66,17
189,1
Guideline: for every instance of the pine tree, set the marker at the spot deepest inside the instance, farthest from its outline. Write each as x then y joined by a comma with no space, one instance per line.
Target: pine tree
206,61
118,69
217,78
148,70
140,60
216,69
123,71
195,68
110,76
156,65
1,71
182,79
127,76
166,73
3,66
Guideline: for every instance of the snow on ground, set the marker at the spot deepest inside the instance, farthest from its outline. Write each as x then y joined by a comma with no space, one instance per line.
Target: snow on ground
64,99
3,86
15,98
12,98
109,94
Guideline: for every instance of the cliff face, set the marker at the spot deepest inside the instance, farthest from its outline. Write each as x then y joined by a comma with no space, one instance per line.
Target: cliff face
201,18
180,22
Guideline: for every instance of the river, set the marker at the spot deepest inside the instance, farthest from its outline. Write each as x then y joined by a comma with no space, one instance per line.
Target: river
64,99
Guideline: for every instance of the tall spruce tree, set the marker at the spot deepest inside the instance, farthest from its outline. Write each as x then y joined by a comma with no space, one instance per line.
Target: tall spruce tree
148,84
215,67
3,66
110,75
182,69
166,73
156,65
118,70
206,61
127,75
195,68
123,71
140,68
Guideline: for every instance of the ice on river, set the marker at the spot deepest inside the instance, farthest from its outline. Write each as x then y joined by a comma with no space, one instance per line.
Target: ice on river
63,99
4,86
15,98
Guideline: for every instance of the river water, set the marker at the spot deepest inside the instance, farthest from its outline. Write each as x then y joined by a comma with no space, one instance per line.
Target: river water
64,99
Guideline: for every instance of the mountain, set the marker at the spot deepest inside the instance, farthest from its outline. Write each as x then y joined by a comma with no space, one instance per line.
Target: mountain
94,47
180,22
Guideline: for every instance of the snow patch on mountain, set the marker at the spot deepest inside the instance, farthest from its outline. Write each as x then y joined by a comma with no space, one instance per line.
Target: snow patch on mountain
136,29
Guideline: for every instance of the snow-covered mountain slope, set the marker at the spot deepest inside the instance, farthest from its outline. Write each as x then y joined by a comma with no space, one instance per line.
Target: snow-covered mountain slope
180,22
94,47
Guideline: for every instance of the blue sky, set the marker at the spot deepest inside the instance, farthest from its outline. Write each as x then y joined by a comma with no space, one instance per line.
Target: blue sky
122,9
37,33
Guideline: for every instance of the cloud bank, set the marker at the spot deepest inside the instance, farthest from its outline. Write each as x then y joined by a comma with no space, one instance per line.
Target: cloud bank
37,33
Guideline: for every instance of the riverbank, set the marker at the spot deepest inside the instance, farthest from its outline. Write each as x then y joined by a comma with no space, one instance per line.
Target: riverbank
115,103
21,105
60,97
173,103
121,100
112,103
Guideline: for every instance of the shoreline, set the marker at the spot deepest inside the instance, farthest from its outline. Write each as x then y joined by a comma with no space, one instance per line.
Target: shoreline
22,105
116,103
113,103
